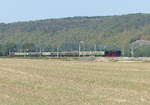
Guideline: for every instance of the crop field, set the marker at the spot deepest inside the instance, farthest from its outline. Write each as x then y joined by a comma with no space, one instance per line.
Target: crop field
55,82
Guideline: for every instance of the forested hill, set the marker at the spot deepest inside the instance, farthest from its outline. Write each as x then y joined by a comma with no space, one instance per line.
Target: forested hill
108,32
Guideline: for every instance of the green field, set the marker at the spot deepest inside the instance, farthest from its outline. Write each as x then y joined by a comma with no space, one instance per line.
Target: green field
53,82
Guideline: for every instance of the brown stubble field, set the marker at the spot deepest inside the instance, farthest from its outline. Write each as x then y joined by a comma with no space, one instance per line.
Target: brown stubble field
54,82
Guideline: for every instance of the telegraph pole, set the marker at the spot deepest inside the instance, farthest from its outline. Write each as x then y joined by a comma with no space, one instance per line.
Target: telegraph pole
57,53
104,48
40,52
123,52
132,51
95,47
79,49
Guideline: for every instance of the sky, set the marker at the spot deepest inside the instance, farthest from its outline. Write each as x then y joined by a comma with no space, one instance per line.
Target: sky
25,10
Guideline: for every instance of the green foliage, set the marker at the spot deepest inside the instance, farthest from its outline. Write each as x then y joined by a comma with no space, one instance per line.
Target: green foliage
142,52
112,32
28,47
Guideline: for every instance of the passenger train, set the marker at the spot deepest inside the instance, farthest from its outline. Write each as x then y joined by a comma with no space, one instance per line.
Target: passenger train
69,53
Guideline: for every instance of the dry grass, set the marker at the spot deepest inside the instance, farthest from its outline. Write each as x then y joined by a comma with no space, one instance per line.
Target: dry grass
51,82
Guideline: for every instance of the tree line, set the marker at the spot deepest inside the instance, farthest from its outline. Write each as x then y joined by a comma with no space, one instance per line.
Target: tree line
107,32
31,47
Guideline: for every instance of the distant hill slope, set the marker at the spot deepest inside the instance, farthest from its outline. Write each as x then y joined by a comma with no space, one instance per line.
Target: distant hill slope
66,33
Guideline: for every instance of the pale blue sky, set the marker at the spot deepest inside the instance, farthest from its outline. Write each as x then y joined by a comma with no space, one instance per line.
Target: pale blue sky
23,10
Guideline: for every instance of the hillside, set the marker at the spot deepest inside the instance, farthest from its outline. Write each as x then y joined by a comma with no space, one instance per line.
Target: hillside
110,32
